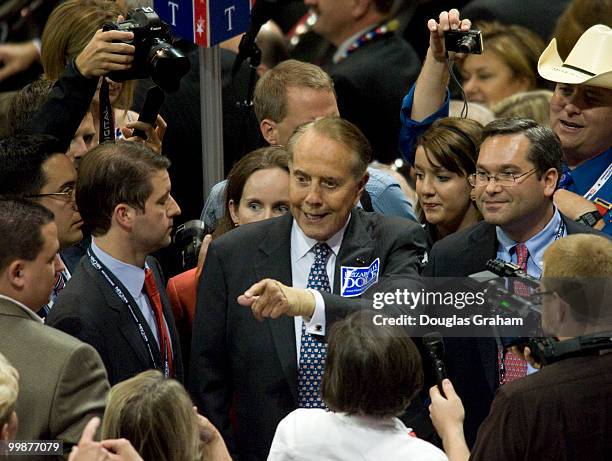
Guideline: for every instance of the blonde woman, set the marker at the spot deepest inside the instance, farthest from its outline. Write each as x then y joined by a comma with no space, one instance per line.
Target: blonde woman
157,416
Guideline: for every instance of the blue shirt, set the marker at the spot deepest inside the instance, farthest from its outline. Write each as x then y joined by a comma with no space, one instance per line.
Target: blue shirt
586,174
411,129
536,245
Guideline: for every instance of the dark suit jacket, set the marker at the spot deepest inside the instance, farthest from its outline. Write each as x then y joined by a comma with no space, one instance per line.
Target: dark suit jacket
471,363
62,382
89,309
370,84
235,358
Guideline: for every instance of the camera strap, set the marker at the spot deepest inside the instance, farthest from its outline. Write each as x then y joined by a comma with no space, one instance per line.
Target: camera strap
107,118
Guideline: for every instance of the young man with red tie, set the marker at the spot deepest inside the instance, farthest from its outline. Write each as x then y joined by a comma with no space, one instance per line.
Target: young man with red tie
115,300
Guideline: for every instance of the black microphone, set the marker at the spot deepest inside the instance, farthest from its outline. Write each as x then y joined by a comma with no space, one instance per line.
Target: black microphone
434,344
260,13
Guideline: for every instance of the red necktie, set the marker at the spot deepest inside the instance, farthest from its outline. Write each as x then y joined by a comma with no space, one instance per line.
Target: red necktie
155,299
522,254
515,367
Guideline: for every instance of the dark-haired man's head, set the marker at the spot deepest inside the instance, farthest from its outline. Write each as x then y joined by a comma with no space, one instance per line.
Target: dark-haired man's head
518,167
31,166
30,99
123,193
28,252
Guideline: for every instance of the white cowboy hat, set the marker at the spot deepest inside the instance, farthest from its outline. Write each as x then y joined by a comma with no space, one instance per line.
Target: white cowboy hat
589,62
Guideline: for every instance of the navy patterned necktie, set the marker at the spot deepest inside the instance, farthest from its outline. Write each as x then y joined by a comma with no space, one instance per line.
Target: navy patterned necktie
313,350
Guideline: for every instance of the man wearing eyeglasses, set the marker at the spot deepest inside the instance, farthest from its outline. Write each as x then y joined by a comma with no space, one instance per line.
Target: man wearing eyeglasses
517,171
34,167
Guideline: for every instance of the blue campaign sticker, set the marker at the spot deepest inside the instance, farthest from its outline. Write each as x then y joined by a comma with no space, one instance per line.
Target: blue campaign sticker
356,280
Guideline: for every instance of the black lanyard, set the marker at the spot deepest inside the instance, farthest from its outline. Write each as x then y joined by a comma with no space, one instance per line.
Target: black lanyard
143,334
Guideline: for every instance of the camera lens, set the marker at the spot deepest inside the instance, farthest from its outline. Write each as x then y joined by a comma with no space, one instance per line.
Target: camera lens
188,239
167,65
467,44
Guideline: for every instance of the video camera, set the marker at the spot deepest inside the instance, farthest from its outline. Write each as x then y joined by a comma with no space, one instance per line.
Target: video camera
154,55
510,291
503,299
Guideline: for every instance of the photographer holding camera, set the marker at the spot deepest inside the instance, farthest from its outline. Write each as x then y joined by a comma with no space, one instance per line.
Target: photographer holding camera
561,412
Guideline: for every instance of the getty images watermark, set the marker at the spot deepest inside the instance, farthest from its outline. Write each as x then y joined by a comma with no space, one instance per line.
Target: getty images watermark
455,310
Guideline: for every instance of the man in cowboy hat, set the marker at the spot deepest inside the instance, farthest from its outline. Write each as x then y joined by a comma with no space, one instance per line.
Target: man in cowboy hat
581,115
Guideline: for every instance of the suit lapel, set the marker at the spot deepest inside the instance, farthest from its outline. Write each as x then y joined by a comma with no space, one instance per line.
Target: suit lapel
357,249
275,263
481,247
126,324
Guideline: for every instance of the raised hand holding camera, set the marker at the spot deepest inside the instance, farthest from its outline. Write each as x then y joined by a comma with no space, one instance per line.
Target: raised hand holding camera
154,55
449,22
106,52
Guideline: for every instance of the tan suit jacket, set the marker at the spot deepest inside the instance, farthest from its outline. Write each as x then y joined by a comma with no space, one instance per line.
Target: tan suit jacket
62,382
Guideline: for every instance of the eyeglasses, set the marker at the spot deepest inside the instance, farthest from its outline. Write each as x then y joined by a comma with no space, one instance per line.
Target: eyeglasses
67,196
480,178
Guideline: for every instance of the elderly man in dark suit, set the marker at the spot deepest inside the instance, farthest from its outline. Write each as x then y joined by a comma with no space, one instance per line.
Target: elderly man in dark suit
517,172
115,300
62,380
292,272
372,68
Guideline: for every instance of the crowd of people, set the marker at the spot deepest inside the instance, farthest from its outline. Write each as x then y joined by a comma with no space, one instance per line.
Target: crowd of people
362,172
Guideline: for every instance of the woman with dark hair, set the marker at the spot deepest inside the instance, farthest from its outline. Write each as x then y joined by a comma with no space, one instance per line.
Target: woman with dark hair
372,373
445,157
257,189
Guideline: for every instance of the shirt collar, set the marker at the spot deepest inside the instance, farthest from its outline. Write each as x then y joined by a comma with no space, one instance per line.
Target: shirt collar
301,244
25,308
539,242
342,49
132,277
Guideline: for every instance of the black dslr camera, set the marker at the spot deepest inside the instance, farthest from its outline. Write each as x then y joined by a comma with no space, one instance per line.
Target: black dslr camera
460,41
154,55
